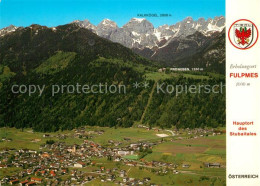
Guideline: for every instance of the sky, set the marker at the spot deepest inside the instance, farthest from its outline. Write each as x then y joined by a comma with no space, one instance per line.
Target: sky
58,12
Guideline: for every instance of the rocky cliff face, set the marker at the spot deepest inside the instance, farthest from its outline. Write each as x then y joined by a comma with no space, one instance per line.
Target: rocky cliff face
171,45
140,33
7,30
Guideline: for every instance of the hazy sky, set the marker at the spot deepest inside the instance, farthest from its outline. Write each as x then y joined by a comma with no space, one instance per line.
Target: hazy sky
58,12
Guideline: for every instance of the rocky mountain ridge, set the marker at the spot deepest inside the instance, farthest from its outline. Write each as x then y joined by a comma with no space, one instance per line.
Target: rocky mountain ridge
140,33
170,45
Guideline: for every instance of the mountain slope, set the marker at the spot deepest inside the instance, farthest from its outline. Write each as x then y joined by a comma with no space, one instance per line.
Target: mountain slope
33,44
8,30
68,56
192,51
211,56
170,45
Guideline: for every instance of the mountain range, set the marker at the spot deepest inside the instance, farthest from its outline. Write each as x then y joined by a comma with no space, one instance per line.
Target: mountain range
70,55
170,45
140,33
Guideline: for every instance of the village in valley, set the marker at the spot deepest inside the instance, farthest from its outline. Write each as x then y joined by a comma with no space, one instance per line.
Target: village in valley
108,156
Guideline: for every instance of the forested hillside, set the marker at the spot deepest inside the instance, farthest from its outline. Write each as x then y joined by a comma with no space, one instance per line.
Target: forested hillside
69,55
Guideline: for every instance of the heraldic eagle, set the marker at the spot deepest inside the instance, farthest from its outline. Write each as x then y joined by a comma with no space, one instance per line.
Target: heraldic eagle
243,34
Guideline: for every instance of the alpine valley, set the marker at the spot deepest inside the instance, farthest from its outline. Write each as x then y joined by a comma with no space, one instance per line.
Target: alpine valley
82,53
170,45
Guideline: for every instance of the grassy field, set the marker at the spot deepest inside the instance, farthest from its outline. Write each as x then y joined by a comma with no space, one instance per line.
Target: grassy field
97,182
32,140
184,151
158,76
56,63
197,177
205,146
10,171
174,179
131,157
162,76
134,134
195,76
153,74
29,139
194,152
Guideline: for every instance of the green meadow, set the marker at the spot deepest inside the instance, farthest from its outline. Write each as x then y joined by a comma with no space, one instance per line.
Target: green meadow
194,152
29,139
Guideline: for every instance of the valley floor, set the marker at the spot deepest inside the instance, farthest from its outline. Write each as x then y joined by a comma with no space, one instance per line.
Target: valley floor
110,156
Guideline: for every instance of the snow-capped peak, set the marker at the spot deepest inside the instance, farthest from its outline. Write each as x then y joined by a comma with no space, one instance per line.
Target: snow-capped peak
142,32
85,24
7,30
138,19
108,22
76,21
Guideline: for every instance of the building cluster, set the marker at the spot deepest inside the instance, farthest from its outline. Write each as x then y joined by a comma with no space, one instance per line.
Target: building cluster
61,164
54,162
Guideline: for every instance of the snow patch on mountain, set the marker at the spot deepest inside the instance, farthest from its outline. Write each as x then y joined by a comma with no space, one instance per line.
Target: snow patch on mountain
140,33
8,30
138,19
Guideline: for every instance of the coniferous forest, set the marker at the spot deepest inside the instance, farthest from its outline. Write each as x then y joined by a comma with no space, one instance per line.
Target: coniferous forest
71,55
